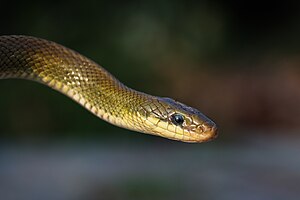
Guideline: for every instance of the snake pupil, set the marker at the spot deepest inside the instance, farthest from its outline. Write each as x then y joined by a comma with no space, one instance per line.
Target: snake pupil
177,119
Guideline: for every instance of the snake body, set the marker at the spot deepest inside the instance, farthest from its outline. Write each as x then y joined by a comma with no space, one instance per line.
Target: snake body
93,87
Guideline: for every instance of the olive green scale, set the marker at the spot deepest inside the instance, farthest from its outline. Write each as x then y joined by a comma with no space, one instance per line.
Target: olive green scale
74,75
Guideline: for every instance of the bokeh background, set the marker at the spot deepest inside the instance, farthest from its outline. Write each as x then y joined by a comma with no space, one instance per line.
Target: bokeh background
236,61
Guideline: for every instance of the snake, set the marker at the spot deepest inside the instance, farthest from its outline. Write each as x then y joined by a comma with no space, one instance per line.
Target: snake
94,88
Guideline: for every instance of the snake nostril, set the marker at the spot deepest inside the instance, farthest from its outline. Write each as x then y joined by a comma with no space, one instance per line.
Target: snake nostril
201,127
209,127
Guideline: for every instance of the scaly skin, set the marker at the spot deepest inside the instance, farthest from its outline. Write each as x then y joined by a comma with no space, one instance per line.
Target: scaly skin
98,91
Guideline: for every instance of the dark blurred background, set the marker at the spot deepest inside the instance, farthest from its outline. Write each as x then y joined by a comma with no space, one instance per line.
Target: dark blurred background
236,61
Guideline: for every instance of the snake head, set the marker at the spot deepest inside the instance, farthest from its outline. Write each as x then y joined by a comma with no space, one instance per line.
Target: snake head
171,119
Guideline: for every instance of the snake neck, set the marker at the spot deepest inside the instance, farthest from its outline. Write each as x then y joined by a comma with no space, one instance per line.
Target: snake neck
73,75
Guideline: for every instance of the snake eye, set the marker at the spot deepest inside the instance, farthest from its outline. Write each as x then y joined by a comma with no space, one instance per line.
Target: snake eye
177,119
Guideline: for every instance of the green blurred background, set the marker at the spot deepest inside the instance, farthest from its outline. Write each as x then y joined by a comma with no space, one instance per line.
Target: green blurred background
236,61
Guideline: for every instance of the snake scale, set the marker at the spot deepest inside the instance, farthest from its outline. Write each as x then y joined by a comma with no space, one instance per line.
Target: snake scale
46,62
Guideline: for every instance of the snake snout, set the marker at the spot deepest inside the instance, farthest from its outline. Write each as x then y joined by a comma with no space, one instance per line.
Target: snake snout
209,130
